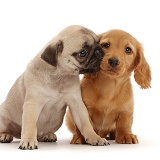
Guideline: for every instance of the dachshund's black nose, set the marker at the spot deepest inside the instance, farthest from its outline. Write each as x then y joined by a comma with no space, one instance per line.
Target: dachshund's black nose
113,62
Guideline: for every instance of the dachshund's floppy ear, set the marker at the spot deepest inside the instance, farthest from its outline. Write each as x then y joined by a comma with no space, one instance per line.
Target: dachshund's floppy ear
142,73
50,54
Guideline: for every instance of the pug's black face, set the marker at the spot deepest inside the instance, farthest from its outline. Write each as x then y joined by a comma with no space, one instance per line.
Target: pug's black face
89,58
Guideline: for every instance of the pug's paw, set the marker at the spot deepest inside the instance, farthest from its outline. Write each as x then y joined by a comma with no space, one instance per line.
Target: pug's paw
50,137
28,144
6,138
97,141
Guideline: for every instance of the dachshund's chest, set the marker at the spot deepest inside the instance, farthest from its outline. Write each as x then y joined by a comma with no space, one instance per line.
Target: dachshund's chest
104,113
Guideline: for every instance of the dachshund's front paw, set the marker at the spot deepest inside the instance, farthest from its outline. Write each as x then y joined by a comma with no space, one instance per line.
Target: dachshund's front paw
78,139
127,139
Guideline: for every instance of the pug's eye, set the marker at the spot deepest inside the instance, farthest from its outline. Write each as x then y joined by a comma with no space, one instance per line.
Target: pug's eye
83,53
105,45
128,50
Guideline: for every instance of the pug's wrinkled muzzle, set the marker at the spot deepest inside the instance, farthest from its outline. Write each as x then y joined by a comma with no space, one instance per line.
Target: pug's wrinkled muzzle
93,64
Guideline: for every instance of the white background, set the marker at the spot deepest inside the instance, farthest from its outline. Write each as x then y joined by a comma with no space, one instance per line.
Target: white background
27,25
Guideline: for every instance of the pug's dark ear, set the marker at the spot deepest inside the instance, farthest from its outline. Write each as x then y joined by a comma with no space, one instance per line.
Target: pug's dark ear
50,54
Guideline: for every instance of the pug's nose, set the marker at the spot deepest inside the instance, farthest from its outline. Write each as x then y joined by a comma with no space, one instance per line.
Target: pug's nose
99,53
113,62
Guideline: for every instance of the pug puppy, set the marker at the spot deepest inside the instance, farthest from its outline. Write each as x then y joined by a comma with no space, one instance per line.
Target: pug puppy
36,104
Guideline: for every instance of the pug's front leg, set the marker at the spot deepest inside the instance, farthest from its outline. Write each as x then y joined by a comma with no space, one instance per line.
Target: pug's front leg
29,128
81,118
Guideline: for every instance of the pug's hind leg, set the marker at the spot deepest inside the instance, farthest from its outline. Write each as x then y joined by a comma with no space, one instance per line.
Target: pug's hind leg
6,138
50,137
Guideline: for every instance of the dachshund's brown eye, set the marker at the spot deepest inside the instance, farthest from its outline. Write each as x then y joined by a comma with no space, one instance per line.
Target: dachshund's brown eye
105,45
128,50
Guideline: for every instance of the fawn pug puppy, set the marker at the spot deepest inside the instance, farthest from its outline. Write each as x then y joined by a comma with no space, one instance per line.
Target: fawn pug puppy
35,106
108,94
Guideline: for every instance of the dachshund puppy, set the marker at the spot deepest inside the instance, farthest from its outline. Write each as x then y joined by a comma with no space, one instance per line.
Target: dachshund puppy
108,93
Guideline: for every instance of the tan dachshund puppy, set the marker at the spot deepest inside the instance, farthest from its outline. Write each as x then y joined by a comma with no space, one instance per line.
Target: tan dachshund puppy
108,93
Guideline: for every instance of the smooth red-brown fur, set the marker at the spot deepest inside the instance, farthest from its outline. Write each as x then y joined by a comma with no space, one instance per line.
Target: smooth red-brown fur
108,94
